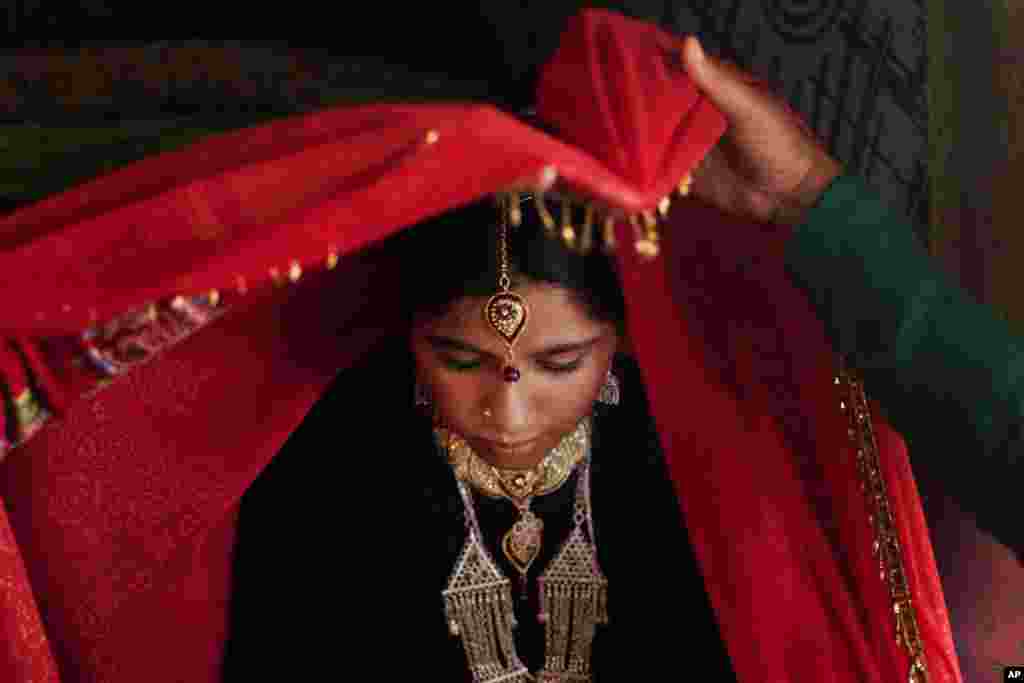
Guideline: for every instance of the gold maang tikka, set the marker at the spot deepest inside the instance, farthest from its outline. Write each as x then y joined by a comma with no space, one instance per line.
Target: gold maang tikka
507,312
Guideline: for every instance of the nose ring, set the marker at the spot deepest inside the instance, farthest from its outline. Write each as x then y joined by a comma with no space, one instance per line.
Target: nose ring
488,413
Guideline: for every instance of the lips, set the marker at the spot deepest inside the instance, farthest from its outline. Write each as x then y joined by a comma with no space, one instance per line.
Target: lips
511,446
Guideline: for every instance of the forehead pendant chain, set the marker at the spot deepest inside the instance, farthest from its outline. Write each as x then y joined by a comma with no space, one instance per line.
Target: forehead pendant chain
506,312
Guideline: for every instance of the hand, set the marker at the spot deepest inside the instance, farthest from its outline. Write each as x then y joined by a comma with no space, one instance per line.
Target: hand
768,165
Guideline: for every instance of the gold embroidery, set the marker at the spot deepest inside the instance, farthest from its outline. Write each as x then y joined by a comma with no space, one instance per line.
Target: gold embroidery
26,409
886,546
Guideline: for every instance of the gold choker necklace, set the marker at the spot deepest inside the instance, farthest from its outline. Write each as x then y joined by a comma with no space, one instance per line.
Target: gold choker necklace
516,484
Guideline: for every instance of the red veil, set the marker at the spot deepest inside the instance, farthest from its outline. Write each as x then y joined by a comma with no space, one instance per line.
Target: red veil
123,506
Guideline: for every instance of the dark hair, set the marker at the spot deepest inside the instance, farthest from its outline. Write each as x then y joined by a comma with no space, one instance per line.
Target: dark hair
456,255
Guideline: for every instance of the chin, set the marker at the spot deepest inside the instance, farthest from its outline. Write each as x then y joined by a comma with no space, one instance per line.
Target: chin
514,458
513,461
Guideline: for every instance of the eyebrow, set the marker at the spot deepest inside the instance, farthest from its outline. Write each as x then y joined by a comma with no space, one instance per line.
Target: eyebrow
443,342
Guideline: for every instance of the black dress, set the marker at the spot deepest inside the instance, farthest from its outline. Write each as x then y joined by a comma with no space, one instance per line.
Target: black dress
348,537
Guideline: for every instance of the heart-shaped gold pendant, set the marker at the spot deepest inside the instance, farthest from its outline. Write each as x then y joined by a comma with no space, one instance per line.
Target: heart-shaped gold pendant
506,314
522,542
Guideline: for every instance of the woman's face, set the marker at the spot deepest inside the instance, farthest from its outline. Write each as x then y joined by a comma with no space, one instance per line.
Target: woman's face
563,356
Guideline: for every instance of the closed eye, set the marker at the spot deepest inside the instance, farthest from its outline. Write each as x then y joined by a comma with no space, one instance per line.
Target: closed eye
459,361
559,358
562,365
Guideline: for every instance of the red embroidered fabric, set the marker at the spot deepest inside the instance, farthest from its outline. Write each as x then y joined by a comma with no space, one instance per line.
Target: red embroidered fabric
123,507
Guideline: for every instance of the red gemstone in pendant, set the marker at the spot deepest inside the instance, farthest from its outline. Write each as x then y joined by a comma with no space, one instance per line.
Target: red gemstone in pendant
505,311
511,374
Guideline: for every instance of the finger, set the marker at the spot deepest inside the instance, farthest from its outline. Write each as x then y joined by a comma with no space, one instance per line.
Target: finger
694,56
730,88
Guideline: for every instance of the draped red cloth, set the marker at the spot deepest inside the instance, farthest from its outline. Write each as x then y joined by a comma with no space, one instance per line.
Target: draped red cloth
118,516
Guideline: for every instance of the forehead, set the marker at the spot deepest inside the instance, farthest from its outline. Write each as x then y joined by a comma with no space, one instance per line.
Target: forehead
554,315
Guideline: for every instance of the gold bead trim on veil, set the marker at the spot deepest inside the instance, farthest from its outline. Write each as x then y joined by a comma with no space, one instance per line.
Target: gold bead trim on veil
886,546
597,225
581,223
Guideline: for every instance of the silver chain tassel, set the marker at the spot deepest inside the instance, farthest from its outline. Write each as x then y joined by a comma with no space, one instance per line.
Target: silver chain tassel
478,603
573,587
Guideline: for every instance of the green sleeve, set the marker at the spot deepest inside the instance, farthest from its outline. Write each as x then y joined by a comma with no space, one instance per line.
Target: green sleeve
948,372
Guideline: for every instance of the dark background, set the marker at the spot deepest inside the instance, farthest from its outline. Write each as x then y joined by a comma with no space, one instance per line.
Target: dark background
855,68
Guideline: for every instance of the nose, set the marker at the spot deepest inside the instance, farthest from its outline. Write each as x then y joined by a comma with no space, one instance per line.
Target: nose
510,410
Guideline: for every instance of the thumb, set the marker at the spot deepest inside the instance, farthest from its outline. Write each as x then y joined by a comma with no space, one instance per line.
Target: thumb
724,84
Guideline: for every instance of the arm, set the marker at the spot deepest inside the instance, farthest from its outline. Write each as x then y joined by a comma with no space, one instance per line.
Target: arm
947,371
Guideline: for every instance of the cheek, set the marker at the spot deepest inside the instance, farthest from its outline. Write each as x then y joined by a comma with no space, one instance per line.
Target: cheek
583,391
551,403
453,394
561,401
456,395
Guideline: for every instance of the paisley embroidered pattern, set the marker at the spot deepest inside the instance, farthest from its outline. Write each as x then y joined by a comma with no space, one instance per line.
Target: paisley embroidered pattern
109,349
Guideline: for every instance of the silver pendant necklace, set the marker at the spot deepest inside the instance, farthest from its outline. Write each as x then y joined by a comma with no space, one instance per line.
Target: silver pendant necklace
573,597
